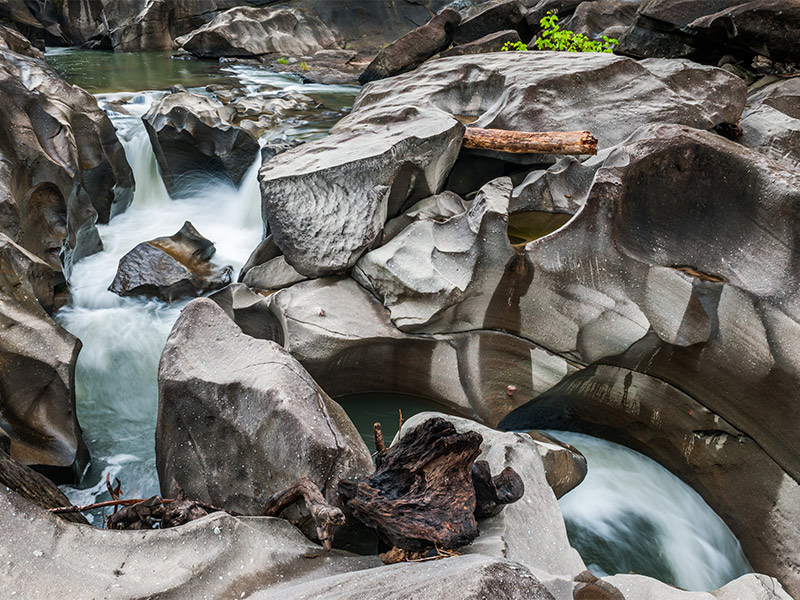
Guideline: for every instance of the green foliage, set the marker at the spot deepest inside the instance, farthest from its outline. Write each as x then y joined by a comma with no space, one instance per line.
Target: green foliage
552,37
282,61
304,66
514,46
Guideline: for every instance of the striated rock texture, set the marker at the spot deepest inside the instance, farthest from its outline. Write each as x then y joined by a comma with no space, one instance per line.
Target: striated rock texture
343,336
561,91
37,361
325,202
245,31
171,267
138,25
63,168
240,419
192,134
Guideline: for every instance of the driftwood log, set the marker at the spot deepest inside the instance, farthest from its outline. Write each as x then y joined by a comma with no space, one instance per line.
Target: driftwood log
422,494
326,517
33,486
530,142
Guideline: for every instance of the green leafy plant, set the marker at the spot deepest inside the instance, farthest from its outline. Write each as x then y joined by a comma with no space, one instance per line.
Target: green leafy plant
304,66
552,37
282,61
514,47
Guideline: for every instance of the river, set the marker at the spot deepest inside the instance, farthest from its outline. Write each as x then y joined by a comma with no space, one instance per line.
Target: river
629,515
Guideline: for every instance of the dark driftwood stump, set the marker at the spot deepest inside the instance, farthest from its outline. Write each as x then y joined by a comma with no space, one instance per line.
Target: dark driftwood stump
421,494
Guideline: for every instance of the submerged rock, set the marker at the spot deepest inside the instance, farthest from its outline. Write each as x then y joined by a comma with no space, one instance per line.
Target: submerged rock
171,267
240,419
37,361
192,134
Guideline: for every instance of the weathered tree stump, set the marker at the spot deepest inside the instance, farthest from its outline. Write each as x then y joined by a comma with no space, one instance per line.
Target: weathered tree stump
421,495
326,517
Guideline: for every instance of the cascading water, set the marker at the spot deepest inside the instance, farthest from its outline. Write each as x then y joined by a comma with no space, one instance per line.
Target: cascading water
116,372
631,514
625,501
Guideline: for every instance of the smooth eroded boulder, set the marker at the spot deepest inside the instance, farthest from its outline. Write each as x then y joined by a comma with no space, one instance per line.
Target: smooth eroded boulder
193,134
240,419
325,202
37,364
63,167
771,121
171,267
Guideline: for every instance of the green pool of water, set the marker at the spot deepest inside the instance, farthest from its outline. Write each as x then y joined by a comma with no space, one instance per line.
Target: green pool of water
383,407
524,227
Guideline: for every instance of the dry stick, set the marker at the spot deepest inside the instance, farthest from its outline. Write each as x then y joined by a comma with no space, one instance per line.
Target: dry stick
326,517
530,142
130,502
380,445
400,424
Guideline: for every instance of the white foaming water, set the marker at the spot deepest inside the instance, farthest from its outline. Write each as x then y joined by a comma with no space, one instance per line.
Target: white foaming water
632,514
116,386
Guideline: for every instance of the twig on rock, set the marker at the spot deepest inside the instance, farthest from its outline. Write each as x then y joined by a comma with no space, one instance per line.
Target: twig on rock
326,517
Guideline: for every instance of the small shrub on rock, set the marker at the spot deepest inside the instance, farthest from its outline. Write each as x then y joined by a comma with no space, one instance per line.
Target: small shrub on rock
552,37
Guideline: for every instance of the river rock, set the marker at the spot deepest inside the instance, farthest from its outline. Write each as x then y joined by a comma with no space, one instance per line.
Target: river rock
63,167
171,267
37,406
673,28
38,21
212,557
439,208
145,28
601,17
440,265
499,16
530,531
343,336
771,121
240,419
458,578
191,133
250,311
325,202
248,31
564,465
525,91
414,48
492,42
16,42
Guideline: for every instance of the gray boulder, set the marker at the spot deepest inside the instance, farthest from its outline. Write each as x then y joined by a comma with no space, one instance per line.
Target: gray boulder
170,267
212,557
601,17
497,16
343,337
325,202
192,133
240,419
433,266
439,207
771,121
63,168
249,31
525,91
37,403
414,48
458,578
138,26
491,42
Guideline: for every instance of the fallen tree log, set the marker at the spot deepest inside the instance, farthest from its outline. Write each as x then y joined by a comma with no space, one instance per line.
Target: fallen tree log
422,494
530,142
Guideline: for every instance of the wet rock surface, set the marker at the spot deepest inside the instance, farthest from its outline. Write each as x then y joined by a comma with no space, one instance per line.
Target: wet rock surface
192,134
171,267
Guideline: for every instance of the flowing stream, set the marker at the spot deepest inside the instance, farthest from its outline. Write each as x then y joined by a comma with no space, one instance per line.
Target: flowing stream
629,514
